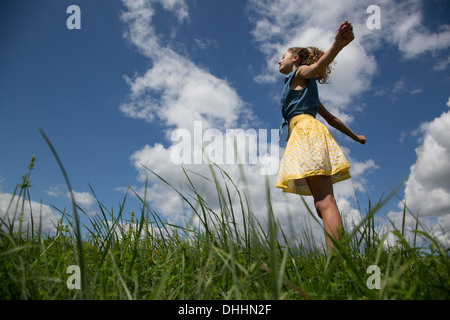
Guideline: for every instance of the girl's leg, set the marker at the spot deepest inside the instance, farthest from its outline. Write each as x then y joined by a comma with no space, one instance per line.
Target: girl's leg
322,190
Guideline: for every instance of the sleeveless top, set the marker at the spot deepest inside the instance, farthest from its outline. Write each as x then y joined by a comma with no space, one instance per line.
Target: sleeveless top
295,102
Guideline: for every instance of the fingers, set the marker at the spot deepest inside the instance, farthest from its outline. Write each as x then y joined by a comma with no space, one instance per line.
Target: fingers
362,139
343,24
346,31
346,28
345,34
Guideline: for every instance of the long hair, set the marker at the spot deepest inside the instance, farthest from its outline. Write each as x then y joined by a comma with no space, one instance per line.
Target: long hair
310,55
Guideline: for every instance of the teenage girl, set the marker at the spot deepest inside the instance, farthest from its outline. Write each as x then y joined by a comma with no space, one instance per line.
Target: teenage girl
312,161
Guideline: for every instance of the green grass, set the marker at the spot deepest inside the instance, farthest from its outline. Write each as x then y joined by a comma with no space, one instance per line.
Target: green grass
226,254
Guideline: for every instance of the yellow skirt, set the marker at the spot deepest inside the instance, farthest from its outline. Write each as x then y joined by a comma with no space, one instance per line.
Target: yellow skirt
310,151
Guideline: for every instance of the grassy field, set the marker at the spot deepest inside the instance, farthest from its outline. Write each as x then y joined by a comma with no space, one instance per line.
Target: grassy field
123,255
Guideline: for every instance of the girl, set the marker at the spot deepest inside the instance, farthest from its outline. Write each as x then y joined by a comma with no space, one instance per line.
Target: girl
312,161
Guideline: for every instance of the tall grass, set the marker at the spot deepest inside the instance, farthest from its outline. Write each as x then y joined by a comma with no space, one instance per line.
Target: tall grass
223,253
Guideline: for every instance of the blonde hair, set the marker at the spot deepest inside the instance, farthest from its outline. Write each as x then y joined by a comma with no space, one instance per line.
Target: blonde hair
308,56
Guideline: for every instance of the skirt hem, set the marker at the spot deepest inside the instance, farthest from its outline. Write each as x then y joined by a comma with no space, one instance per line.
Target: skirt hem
310,151
303,189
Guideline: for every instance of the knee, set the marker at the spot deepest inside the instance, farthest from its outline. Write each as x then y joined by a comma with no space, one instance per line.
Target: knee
325,204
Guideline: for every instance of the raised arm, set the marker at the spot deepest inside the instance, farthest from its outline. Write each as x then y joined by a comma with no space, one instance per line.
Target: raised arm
336,123
343,37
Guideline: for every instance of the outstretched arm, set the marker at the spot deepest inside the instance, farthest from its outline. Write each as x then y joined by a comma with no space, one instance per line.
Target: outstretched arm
335,122
343,37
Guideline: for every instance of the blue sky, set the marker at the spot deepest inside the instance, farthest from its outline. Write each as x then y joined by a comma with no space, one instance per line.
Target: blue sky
110,95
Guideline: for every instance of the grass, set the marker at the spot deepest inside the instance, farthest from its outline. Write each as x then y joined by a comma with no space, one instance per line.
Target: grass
225,254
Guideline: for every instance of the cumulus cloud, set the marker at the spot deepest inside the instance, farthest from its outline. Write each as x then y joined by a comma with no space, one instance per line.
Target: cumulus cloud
83,199
412,37
179,93
427,189
32,213
359,171
174,90
402,23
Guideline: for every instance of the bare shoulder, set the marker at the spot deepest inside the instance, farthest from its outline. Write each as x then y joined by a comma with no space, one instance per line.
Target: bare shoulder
299,82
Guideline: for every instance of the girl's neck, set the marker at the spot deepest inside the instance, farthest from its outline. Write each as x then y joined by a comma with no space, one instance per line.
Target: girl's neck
295,66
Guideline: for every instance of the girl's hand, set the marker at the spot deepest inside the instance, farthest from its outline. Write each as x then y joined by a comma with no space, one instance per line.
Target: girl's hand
361,139
344,34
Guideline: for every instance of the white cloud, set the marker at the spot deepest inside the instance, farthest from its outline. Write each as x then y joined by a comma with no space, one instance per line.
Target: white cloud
139,16
174,89
427,189
415,41
205,43
53,191
399,86
83,199
402,26
33,212
178,7
57,191
179,93
442,64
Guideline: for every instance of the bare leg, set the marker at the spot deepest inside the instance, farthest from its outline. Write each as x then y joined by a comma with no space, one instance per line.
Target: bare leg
322,190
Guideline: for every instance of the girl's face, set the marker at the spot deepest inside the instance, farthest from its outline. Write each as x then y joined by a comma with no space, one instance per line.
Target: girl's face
286,64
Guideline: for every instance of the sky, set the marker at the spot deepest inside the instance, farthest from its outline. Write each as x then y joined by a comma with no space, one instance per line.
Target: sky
120,87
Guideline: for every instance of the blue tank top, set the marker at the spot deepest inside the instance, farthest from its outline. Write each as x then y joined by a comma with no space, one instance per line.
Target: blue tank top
295,102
